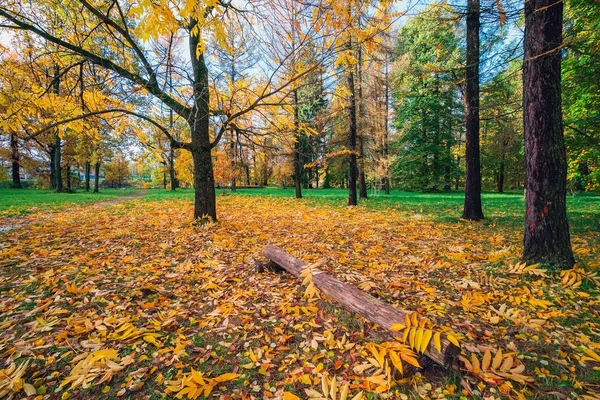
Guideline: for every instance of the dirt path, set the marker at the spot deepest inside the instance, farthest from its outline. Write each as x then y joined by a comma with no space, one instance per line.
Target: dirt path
12,223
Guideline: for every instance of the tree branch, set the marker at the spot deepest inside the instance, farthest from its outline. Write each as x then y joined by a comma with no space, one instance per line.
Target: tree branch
174,143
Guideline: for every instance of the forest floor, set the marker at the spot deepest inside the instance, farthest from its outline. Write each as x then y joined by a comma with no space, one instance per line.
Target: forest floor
133,299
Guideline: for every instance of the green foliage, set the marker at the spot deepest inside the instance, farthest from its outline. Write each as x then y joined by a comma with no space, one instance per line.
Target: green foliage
428,108
581,93
502,131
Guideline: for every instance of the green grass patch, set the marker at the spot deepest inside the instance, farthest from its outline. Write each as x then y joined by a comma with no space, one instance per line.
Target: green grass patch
505,209
17,202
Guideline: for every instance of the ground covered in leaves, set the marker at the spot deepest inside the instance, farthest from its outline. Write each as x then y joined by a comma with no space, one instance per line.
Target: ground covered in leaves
132,299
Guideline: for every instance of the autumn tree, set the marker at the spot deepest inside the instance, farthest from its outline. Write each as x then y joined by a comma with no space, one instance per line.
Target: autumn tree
547,236
123,29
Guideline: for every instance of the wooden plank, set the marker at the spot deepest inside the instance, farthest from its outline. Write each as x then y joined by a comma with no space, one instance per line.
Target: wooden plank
361,303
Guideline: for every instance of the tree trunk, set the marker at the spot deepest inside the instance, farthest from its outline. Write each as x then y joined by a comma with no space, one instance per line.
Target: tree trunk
88,167
205,204
57,168
352,164
386,179
357,301
52,154
362,182
68,176
297,149
546,238
165,176
14,156
97,177
500,180
172,177
57,141
472,208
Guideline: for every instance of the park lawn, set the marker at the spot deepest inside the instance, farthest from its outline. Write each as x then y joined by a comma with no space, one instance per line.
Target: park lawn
18,202
134,299
505,209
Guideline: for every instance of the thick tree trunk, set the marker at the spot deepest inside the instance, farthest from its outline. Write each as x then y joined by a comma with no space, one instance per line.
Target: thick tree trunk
204,183
547,238
88,167
472,208
15,159
297,150
352,164
97,177
357,301
205,204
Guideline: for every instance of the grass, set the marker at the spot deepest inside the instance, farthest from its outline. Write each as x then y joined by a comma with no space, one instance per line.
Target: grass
18,202
507,209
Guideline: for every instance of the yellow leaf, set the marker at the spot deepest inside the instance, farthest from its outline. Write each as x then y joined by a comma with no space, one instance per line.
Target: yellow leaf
426,339
29,389
333,388
475,364
396,362
226,377
592,354
344,391
452,339
410,359
437,341
487,359
358,396
290,396
418,339
497,359
397,327
318,368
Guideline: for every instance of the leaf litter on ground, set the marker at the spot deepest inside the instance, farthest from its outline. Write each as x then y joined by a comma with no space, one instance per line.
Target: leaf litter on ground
134,300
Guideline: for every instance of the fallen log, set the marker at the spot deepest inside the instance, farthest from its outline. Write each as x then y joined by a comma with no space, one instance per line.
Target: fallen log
361,303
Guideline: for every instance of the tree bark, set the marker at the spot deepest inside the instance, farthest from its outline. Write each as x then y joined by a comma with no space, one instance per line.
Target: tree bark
546,238
88,167
357,301
97,177
200,147
172,177
472,208
15,159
